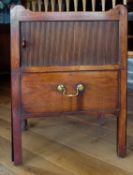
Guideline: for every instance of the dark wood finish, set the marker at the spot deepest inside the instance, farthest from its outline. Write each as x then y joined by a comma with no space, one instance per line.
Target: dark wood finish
81,46
55,48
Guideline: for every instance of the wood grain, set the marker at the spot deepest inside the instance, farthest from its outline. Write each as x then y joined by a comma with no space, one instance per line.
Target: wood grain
101,89
76,43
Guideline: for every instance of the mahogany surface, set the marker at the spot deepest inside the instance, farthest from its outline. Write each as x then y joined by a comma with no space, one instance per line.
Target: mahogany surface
68,48
99,94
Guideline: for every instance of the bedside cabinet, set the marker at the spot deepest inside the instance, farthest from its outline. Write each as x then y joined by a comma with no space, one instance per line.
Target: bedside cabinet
68,62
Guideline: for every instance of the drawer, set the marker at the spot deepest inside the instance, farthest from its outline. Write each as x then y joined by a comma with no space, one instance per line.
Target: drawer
39,92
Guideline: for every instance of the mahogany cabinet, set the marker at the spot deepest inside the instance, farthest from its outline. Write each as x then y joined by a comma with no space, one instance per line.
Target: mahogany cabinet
68,62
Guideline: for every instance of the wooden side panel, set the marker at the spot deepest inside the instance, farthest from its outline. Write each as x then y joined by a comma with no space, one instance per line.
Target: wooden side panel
69,43
39,92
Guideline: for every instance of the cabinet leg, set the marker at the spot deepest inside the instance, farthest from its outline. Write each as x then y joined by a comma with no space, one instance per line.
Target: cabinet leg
100,119
122,117
12,151
24,125
121,134
16,140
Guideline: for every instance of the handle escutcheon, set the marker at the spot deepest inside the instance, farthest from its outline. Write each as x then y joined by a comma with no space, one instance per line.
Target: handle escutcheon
79,88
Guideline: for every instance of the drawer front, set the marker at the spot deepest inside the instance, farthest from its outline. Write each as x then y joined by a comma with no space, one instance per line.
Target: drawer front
39,92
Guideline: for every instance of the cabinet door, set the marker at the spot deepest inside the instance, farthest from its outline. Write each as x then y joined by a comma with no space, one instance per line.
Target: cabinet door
69,43
39,92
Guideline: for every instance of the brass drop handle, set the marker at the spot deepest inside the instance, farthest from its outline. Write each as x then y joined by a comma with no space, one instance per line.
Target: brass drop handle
79,88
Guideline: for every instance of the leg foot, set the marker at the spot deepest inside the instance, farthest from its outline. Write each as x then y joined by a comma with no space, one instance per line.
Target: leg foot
121,135
16,141
100,119
24,125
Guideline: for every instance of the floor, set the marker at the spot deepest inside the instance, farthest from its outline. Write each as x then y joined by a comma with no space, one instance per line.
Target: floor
72,145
